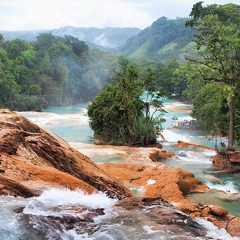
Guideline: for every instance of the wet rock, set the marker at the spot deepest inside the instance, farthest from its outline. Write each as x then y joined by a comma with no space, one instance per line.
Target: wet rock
156,155
81,219
181,144
164,214
169,185
33,160
228,160
10,187
218,211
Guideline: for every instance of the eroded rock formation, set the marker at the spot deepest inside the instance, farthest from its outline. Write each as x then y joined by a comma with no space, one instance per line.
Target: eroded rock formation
171,184
33,160
228,160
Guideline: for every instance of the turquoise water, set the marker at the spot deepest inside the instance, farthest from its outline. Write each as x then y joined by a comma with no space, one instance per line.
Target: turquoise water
68,122
78,108
72,132
76,133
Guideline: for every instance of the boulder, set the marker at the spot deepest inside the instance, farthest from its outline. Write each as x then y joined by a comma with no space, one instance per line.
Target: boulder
156,155
228,160
181,144
32,160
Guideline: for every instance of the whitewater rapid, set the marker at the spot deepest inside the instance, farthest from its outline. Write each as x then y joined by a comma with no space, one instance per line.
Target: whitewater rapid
38,219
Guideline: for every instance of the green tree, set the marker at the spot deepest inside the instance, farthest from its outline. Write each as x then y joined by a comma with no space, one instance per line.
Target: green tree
51,71
80,48
218,42
153,96
187,82
211,107
116,115
8,86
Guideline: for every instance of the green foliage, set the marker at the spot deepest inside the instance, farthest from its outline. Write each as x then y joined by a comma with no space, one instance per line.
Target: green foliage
29,103
163,40
187,82
211,108
143,131
218,43
117,114
51,71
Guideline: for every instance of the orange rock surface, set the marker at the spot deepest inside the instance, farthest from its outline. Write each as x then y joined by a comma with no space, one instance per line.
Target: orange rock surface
171,184
186,144
33,160
227,160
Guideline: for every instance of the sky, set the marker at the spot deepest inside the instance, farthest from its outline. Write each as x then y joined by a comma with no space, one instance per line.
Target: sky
52,14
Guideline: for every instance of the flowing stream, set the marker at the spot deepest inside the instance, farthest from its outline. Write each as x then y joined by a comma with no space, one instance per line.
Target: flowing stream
42,217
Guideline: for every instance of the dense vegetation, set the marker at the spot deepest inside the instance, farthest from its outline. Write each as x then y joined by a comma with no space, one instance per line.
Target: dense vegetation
120,115
211,79
218,42
51,71
165,40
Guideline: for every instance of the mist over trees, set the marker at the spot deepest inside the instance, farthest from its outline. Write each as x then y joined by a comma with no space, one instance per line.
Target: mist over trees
52,71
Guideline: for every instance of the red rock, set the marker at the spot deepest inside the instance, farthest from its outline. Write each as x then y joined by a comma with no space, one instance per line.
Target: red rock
218,211
186,144
171,184
34,160
227,160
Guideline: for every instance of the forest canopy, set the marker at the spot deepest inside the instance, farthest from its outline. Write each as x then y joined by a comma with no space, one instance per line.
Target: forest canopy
51,71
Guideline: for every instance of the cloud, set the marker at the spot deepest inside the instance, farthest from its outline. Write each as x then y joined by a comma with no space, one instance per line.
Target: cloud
49,14
55,13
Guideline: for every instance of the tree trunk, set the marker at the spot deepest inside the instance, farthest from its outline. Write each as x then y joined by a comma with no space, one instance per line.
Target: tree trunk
232,110
231,124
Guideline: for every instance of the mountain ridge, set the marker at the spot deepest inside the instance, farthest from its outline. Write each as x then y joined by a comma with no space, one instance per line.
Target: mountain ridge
165,40
108,37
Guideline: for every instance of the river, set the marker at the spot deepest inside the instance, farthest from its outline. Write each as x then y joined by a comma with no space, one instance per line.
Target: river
26,218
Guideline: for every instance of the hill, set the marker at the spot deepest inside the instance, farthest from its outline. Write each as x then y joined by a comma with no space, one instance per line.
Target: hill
166,40
105,38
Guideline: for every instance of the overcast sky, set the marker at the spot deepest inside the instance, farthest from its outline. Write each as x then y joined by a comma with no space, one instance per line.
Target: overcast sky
50,14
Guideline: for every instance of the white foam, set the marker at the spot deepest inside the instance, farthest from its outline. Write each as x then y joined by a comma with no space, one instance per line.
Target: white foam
227,187
44,118
195,157
151,181
214,232
170,136
45,203
148,229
